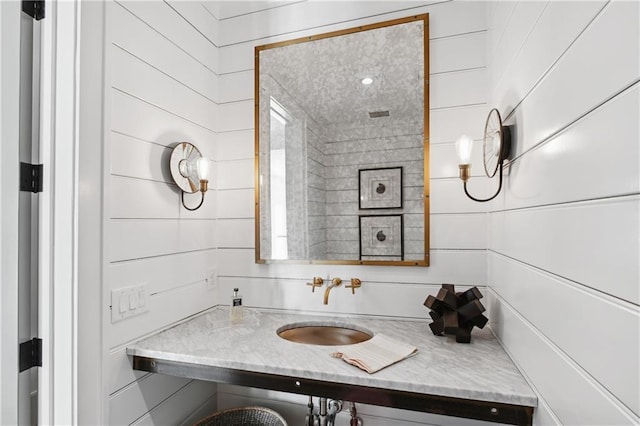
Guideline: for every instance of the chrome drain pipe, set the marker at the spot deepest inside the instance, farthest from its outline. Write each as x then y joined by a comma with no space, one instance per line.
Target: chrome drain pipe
327,411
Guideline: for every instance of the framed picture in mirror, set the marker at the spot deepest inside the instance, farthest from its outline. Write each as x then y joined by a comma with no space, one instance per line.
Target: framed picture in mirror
380,188
381,237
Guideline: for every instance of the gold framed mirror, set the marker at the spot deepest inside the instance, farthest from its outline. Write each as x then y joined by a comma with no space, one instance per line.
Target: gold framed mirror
342,146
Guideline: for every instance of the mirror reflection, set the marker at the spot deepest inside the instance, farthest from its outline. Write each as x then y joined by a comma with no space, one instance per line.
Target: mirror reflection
341,146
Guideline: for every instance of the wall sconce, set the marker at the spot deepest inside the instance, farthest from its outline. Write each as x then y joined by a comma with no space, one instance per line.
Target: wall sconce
190,171
496,148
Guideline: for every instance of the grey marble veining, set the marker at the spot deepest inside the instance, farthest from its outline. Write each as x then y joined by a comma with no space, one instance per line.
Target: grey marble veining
480,370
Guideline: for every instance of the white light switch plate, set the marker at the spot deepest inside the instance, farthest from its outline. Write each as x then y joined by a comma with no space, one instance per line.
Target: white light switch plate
128,302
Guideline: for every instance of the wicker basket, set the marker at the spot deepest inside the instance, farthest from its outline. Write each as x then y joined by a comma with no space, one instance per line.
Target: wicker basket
244,416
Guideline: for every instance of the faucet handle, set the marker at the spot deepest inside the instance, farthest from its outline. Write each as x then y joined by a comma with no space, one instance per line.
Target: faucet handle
336,281
355,283
317,282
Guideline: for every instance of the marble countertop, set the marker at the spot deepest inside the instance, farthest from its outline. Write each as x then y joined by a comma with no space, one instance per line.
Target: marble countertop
479,371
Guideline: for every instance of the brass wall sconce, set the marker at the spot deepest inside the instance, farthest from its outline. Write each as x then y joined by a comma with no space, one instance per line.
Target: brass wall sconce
496,149
190,171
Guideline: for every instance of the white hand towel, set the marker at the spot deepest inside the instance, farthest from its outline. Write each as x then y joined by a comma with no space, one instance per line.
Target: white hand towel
376,353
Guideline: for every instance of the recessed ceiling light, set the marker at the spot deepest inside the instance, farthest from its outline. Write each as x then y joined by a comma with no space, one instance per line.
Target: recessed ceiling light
366,81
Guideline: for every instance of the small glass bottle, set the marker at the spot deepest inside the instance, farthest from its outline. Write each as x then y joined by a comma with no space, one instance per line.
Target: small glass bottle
235,312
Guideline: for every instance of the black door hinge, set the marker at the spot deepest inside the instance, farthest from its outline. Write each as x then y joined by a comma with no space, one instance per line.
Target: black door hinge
30,177
33,8
30,354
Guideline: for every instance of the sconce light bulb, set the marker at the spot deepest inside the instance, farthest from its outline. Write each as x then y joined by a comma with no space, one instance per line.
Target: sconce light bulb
203,168
464,147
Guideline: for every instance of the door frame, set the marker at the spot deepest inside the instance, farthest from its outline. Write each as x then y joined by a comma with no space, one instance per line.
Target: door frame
58,317
71,380
9,184
57,393
73,389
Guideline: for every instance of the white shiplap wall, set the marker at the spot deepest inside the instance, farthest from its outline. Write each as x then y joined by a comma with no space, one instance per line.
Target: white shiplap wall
351,151
457,29
564,235
162,82
458,239
563,292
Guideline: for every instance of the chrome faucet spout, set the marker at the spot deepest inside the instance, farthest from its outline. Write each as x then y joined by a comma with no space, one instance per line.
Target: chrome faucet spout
336,282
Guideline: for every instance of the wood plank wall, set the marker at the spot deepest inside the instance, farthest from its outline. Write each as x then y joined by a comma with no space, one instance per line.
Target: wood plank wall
162,80
562,263
458,91
458,226
564,235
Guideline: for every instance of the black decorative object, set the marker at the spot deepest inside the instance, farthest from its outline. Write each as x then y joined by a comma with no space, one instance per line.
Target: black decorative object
456,313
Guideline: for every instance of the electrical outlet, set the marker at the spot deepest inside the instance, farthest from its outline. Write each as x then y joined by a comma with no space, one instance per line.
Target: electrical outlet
212,278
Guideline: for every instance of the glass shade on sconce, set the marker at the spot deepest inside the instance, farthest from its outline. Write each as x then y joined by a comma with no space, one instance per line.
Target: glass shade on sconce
496,148
190,171
202,166
464,148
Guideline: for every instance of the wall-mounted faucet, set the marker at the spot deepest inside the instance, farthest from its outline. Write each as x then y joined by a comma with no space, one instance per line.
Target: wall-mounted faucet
336,282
